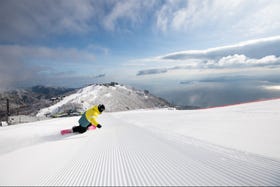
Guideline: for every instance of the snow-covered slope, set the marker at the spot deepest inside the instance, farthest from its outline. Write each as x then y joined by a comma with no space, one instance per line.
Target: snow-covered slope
114,96
251,127
232,146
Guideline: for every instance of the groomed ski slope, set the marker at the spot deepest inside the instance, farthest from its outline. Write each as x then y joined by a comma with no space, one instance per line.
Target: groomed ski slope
236,145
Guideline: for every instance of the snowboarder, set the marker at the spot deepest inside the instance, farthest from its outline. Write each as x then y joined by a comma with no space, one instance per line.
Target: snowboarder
87,120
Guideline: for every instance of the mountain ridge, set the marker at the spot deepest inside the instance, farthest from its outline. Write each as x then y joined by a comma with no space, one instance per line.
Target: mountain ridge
116,97
28,101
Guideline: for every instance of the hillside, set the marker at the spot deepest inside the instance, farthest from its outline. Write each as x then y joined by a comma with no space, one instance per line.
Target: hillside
30,100
114,96
228,146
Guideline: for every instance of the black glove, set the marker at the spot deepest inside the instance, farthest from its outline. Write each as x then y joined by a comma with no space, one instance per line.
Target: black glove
98,126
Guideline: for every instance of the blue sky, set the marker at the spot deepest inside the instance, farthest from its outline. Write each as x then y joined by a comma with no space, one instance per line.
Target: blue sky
207,52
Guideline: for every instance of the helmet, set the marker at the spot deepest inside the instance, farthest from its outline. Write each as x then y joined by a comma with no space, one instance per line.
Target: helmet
101,108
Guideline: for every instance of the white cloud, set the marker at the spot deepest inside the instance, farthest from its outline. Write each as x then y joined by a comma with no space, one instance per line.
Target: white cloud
253,48
165,13
239,61
262,19
122,10
132,13
191,15
247,18
274,87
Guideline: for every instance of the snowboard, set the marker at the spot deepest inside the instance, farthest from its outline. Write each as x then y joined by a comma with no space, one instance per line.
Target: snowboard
69,131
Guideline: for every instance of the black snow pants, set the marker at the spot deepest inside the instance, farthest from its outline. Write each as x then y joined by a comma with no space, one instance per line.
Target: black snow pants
80,129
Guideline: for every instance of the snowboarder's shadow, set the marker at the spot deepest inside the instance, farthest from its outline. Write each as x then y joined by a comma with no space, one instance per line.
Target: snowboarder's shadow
51,137
59,137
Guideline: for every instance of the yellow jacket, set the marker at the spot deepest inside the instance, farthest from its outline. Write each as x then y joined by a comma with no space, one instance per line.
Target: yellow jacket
91,115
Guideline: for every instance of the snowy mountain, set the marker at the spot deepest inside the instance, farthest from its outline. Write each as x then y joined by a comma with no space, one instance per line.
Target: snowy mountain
29,101
114,96
227,146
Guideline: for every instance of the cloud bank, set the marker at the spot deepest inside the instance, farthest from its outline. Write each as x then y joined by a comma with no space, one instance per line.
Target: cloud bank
254,49
255,53
23,64
152,71
100,75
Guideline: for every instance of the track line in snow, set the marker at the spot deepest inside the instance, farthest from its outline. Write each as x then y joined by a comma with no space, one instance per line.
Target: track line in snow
265,170
126,155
